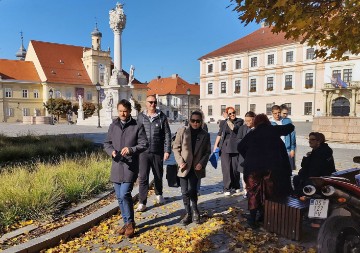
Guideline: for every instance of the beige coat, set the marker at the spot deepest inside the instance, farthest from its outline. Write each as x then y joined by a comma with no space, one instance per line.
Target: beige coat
183,151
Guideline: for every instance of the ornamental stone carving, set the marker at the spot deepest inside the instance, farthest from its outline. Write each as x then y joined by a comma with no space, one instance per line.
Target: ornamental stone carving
117,18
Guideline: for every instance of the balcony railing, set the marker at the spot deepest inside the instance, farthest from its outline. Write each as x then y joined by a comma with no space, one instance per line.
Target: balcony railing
352,84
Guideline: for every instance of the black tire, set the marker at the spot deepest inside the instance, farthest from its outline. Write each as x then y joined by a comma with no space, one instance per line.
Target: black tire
339,234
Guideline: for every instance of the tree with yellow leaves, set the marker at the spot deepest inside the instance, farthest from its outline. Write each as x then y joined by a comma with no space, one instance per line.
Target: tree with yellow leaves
331,25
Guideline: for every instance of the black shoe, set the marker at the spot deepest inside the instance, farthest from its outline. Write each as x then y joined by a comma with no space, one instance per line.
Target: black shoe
196,217
186,220
252,224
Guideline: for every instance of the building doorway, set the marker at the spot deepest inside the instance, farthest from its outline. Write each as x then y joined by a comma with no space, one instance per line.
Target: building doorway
340,107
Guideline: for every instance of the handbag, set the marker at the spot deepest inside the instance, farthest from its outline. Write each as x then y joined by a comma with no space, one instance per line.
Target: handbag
171,175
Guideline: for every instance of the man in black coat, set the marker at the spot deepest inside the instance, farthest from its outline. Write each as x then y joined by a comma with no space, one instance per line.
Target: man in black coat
124,142
159,136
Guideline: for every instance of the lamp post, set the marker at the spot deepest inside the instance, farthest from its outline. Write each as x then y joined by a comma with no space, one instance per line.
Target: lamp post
188,91
98,88
51,107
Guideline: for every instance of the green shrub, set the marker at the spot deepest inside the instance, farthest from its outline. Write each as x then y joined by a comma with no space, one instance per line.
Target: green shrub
46,190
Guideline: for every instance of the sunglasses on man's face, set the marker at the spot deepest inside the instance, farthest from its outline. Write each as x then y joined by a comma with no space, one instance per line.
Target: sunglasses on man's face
195,121
152,102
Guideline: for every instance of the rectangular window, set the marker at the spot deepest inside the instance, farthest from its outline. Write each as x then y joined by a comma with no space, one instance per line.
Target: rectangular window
192,101
101,77
89,95
309,80
253,107
57,94
310,53
8,92
268,108
347,75
288,82
290,56
222,109
26,111
270,83
10,112
223,87
253,62
288,105
238,64
237,110
237,86
68,95
252,85
36,93
271,59
210,88
336,73
210,113
223,66
308,108
210,68
25,93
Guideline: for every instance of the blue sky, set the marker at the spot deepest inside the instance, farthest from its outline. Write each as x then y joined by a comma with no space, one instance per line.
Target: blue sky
162,37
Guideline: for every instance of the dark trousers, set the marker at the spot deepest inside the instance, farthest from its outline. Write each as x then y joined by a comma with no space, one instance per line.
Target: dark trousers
189,190
231,176
155,162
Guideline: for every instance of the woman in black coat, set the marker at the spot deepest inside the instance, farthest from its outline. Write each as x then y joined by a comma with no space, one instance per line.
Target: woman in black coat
227,140
317,163
266,165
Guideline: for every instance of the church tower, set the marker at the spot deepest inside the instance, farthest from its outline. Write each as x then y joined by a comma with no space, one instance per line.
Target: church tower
96,36
21,53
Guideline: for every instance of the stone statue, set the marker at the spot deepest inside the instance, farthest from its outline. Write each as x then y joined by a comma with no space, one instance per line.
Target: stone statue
117,18
131,74
110,101
80,103
106,76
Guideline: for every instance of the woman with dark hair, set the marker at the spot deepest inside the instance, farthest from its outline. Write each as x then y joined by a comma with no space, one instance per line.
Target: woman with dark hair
266,165
227,139
317,163
191,149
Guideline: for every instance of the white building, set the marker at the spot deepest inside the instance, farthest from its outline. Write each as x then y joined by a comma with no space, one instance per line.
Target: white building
263,69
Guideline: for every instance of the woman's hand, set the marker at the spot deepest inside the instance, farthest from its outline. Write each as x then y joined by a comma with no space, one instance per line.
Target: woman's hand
183,165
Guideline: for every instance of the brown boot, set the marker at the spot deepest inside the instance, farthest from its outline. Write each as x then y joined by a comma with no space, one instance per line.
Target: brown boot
121,231
130,230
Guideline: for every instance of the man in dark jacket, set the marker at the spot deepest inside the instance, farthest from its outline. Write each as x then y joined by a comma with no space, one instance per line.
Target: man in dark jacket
159,136
124,142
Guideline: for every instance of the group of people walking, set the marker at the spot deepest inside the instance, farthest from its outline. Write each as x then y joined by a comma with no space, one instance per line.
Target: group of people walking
256,156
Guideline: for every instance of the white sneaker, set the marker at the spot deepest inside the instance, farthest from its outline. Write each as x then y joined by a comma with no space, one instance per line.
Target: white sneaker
141,208
227,193
237,190
160,199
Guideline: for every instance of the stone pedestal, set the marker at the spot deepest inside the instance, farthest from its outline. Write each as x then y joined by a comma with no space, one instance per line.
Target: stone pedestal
342,129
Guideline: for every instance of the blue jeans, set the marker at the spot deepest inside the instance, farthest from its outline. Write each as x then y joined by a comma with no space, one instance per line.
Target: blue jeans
123,194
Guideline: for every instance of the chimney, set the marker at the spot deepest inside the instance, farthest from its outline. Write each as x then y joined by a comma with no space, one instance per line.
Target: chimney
174,76
158,77
196,83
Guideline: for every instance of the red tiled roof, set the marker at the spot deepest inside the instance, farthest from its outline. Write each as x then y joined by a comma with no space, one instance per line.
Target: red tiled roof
171,85
18,70
61,63
261,38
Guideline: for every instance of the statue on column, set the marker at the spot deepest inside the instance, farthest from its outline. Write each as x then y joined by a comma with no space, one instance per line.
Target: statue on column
110,101
80,103
131,74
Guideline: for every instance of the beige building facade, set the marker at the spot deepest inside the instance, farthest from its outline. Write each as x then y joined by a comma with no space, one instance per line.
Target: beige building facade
263,69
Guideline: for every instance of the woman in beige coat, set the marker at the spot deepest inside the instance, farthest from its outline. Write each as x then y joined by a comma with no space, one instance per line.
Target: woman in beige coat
191,149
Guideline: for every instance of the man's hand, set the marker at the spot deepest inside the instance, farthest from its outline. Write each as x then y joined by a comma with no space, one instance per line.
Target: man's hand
166,156
198,166
292,153
113,153
125,151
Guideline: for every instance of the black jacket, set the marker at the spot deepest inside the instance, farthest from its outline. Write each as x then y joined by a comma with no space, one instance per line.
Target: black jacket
229,138
320,162
158,132
119,136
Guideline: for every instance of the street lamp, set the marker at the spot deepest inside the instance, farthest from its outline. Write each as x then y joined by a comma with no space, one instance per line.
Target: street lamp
98,88
51,93
188,94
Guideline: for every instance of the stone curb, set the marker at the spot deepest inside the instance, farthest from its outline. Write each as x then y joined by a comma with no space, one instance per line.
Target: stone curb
53,238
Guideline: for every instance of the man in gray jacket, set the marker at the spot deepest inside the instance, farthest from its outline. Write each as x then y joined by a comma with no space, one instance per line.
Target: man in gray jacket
159,136
124,142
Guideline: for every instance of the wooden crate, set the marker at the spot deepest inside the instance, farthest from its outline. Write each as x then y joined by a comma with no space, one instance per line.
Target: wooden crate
285,218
